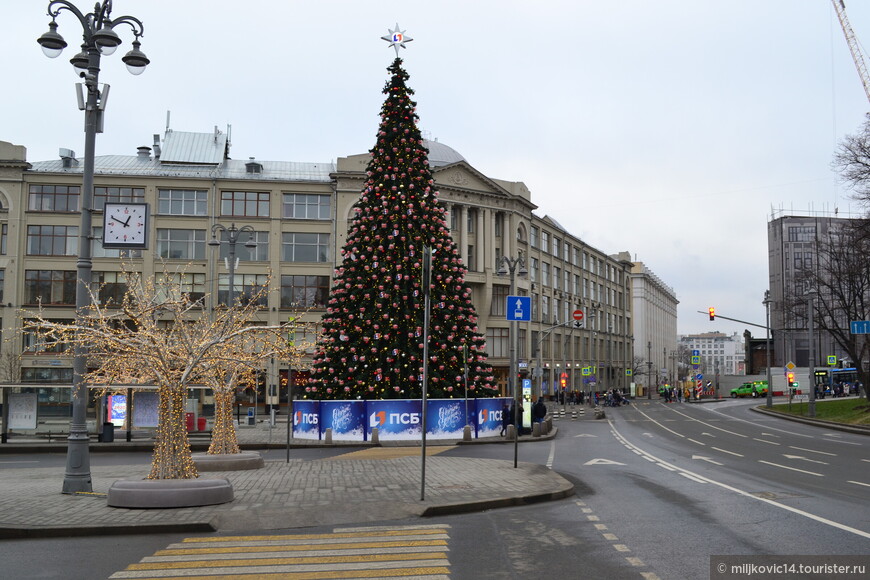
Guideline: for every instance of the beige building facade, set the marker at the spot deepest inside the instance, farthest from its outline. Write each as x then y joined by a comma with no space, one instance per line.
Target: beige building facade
299,213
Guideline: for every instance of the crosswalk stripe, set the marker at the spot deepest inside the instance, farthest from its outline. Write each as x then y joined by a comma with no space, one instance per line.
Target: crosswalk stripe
418,552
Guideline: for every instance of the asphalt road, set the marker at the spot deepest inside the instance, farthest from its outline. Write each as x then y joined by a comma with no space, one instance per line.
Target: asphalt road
661,488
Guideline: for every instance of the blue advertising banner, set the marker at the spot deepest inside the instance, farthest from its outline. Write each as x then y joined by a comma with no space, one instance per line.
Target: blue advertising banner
395,420
345,418
306,415
488,419
445,418
116,409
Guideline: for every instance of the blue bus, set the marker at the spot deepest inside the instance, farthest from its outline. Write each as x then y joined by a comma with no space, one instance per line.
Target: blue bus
836,382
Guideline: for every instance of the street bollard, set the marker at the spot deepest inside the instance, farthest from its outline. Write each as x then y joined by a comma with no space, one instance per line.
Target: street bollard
328,436
466,433
375,437
511,433
536,429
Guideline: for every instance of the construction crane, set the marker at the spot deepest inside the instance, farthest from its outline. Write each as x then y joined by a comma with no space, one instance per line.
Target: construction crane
857,55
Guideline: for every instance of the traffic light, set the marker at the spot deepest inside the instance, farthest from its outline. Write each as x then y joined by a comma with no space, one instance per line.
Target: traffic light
790,377
712,313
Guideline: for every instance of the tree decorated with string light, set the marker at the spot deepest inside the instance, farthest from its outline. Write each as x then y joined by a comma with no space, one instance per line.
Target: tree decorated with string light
371,345
159,335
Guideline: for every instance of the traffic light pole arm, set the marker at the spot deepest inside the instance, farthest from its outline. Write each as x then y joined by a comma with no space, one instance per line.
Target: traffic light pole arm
736,320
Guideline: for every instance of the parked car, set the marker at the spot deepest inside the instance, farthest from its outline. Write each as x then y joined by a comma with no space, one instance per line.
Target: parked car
753,389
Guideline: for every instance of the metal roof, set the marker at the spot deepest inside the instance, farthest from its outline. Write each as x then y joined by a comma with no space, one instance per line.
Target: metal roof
134,165
184,147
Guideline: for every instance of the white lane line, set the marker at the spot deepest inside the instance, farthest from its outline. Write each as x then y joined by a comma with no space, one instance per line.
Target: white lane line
728,452
754,424
660,425
692,477
698,442
552,454
814,451
791,468
771,502
764,441
859,483
708,424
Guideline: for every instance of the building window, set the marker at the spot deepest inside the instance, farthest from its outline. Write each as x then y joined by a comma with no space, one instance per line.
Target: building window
499,225
54,198
557,275
497,342
258,254
110,287
472,261
302,206
304,291
545,241
533,271
181,244
98,251
52,240
545,273
472,219
304,247
454,218
49,375
4,236
533,237
557,246
801,233
182,202
499,299
545,308
249,288
103,195
50,287
193,285
245,203
2,283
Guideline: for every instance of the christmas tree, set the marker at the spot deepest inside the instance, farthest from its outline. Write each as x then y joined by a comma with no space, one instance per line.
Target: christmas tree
372,341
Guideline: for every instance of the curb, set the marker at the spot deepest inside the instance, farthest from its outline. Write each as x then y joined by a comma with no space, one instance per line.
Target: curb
855,429
33,532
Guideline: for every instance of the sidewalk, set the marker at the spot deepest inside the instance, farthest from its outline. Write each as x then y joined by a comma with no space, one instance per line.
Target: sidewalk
340,490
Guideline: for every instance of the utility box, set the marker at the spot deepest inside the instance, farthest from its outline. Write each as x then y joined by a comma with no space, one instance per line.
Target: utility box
251,416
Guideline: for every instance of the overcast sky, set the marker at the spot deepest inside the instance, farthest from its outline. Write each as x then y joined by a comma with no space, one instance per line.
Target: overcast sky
669,128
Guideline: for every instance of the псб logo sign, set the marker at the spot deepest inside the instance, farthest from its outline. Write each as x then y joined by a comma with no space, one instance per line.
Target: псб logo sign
380,419
301,418
487,415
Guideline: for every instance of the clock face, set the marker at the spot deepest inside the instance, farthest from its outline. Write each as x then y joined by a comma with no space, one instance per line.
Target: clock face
125,225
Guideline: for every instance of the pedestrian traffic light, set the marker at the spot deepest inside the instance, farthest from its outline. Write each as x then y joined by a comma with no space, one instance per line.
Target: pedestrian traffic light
712,313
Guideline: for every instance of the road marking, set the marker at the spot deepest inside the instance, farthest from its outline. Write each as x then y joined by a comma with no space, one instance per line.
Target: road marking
649,576
586,510
602,462
593,518
771,502
621,548
698,442
867,460
610,537
803,458
838,436
662,426
859,483
585,435
7,462
754,424
765,441
728,452
708,424
600,527
791,468
552,454
370,552
692,477
769,434
707,459
814,451
708,434
635,561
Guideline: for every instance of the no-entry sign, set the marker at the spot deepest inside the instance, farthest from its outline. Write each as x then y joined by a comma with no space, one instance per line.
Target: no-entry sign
578,315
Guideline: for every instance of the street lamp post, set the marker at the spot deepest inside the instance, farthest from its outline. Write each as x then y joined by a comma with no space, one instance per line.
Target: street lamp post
766,303
232,233
811,407
509,266
99,38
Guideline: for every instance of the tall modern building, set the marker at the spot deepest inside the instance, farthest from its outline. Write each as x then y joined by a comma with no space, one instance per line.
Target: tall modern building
299,213
792,242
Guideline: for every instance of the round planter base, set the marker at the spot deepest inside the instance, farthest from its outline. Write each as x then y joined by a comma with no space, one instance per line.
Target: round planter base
169,493
228,461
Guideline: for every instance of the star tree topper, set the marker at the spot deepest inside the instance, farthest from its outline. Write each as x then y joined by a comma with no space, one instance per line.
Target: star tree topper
397,38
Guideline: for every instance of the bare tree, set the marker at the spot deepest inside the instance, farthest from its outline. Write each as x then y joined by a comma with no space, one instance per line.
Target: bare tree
852,161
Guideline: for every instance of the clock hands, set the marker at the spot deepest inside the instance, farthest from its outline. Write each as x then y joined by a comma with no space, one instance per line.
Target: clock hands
126,223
